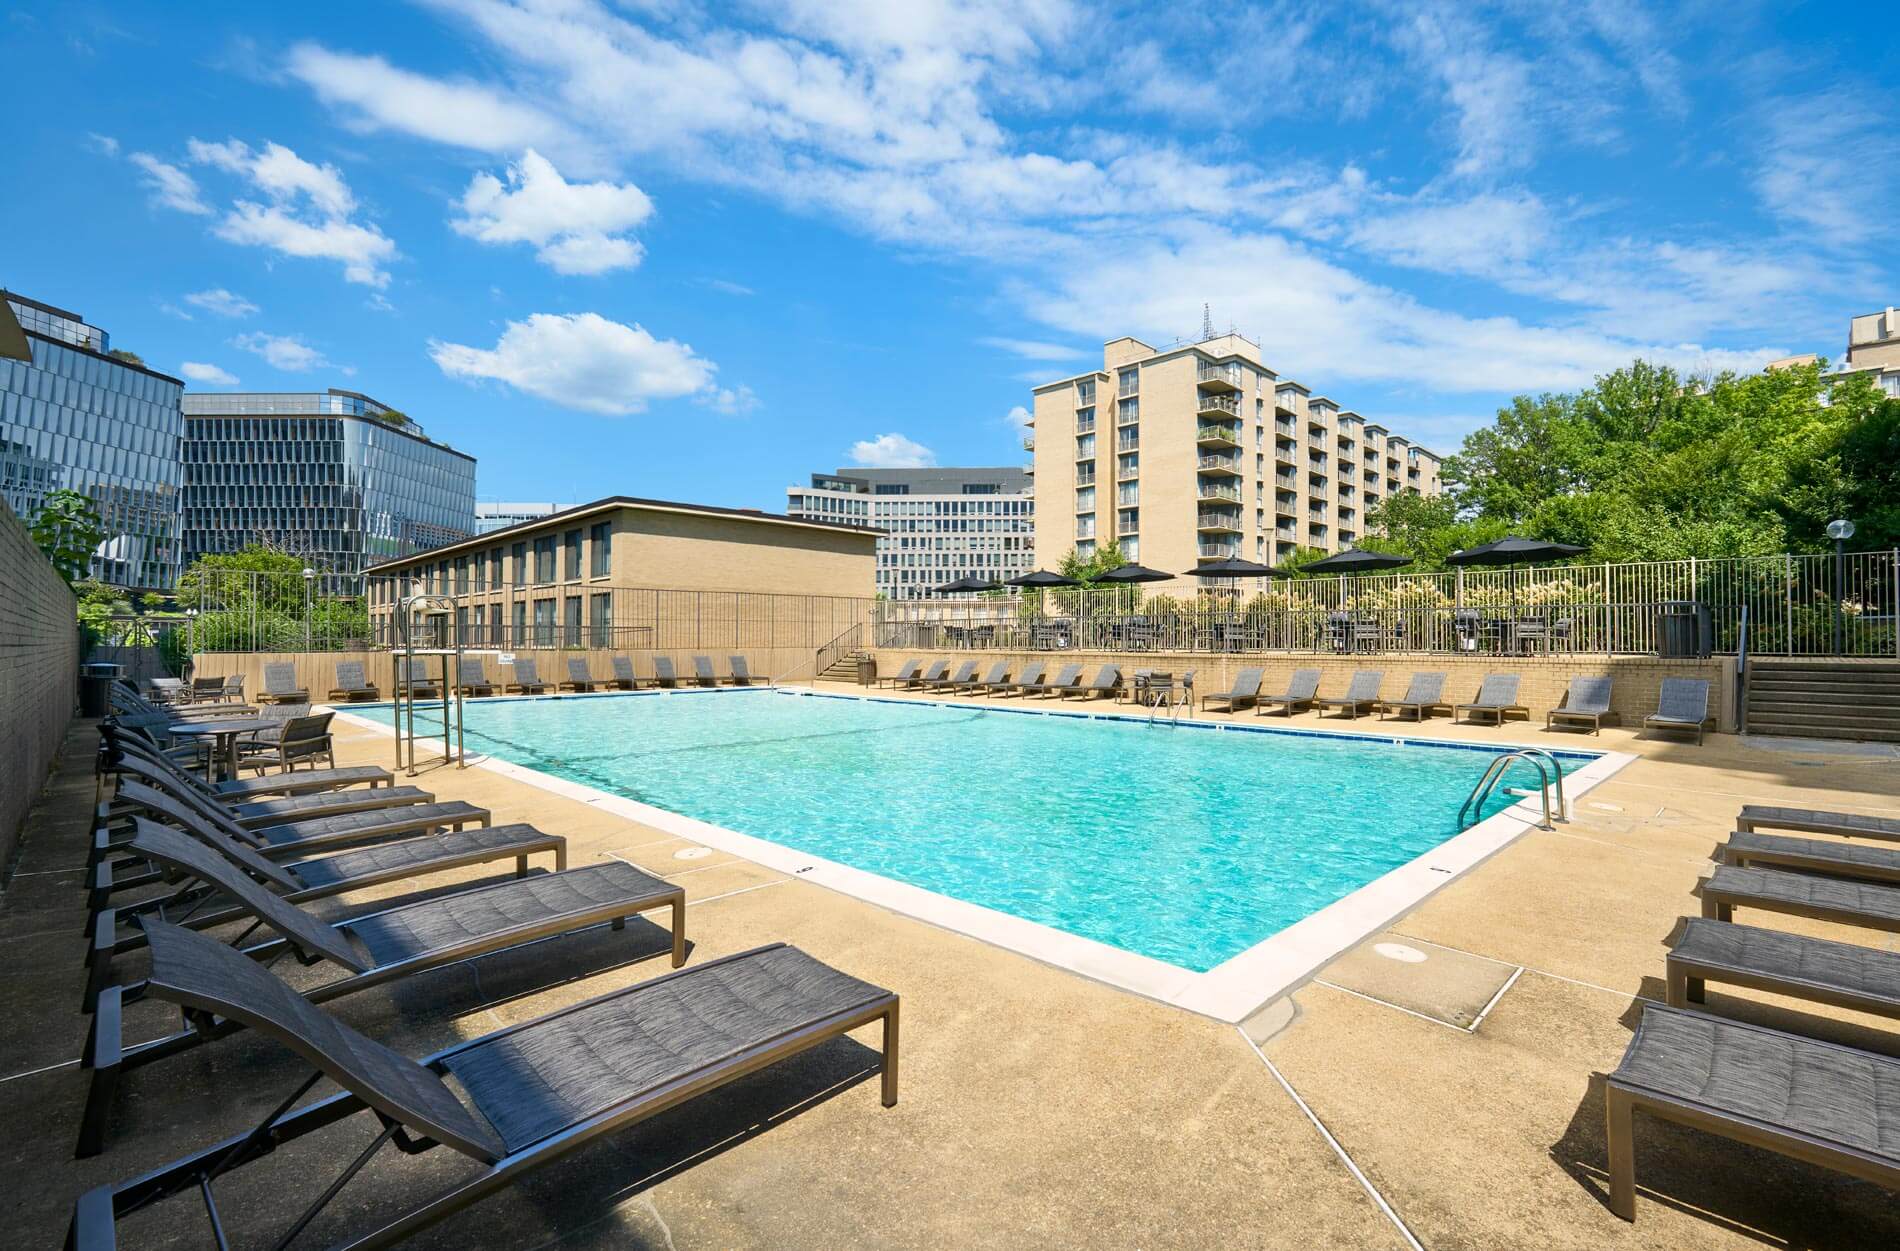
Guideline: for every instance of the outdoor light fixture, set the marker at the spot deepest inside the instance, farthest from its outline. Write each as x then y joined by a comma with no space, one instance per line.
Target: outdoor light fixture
1840,531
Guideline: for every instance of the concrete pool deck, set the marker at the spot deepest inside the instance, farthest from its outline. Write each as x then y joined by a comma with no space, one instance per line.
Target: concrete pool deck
1039,1108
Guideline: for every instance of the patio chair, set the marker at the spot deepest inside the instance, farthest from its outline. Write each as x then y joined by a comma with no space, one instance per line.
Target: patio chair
1815,821
1029,677
1362,694
1424,696
963,677
907,672
1811,855
742,672
301,739
624,676
1245,692
997,676
526,679
578,678
369,950
1864,905
1587,701
1682,704
1497,699
417,681
471,679
938,671
1844,975
1066,679
1760,1086
233,690
1107,684
239,790
663,674
168,691
534,1091
207,690
1300,691
703,674
264,743
280,685
351,684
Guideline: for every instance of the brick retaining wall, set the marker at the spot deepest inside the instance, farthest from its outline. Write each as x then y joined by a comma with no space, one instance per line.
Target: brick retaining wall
39,673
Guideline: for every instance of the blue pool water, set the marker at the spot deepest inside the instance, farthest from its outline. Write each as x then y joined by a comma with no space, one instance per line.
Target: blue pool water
1185,845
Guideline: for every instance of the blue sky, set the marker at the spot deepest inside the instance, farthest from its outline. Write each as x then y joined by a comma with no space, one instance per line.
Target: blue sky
698,251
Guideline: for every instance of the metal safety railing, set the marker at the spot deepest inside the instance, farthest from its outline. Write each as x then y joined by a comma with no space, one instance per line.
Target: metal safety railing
1494,773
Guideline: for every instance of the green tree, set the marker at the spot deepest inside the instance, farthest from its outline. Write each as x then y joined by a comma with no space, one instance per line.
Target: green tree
68,529
130,358
1294,563
1089,569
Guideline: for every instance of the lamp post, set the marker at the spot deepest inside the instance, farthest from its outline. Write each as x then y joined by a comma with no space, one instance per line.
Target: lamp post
309,584
191,636
1840,532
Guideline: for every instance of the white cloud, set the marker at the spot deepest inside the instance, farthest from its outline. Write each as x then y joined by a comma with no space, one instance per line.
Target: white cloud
169,186
221,302
286,352
1827,165
1019,418
578,227
1031,350
730,288
308,214
891,451
199,371
1490,235
586,362
105,145
376,95
733,402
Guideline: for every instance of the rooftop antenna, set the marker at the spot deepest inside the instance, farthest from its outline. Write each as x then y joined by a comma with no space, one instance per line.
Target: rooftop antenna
1207,323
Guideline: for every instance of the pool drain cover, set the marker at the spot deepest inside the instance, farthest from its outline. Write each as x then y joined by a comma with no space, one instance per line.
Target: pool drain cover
1400,952
693,853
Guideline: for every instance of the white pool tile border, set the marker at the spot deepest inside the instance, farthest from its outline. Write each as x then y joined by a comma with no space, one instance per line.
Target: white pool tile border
1231,991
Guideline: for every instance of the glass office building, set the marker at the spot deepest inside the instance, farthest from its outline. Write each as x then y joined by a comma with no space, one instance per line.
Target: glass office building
333,477
73,416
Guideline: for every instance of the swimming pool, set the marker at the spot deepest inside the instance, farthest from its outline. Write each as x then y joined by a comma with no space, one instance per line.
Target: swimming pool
1181,844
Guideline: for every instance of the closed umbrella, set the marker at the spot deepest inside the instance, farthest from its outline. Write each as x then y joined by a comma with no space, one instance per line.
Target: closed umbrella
1358,561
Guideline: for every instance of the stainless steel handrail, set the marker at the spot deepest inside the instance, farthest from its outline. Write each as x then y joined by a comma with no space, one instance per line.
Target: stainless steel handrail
1494,773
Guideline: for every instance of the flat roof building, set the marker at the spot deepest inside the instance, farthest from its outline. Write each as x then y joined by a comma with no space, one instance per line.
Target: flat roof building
939,524
1201,452
75,417
333,477
498,516
1873,346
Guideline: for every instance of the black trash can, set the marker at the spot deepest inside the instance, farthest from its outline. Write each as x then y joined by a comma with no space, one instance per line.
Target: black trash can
1683,629
867,671
95,687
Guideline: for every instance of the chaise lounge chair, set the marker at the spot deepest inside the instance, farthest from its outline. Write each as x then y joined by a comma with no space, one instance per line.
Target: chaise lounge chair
1587,701
471,679
1029,677
207,690
1682,704
523,1096
1424,696
703,674
417,681
233,692
1845,975
239,790
526,679
1759,1086
1362,694
1107,684
1811,855
624,676
578,678
963,677
1861,904
280,685
742,672
370,949
1067,679
938,671
998,676
1815,821
906,673
1246,691
1299,693
351,685
1497,699
663,673
168,779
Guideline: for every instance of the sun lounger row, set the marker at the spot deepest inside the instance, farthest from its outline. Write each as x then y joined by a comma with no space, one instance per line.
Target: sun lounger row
176,859
1034,681
1818,1101
423,678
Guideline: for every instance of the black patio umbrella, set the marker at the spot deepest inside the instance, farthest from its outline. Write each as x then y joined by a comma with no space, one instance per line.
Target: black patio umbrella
1128,575
1041,579
1512,550
969,584
1235,567
1358,561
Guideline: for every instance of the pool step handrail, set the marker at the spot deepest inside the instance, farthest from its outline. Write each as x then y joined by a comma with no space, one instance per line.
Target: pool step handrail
1494,773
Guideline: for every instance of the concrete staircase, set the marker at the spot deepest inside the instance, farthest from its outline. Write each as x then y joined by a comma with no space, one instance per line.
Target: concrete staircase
843,669
1825,700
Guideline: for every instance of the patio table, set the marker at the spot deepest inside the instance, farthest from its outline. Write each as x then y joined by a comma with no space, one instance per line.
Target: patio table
221,764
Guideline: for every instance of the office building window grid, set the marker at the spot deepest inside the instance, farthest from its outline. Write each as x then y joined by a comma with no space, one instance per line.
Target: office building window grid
940,524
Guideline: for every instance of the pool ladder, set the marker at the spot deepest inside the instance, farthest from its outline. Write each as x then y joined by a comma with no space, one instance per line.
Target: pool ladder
1494,773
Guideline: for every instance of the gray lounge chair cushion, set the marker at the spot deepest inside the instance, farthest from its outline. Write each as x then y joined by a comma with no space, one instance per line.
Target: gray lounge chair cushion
1246,685
703,669
1498,690
1820,821
525,673
1587,696
411,817
1032,676
998,672
347,775
1425,688
623,670
1682,701
287,808
539,1081
1363,689
1301,687
280,678
1848,859
663,669
349,676
1847,1097
577,673
469,672
414,854
1789,957
1768,887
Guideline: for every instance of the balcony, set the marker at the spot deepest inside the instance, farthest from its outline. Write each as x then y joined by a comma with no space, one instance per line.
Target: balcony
1282,426
1224,376
1226,523
1128,443
1287,534
1219,491
1219,551
1220,464
1210,405
1085,425
1287,481
1084,477
1218,436
1316,441
1125,472
1284,454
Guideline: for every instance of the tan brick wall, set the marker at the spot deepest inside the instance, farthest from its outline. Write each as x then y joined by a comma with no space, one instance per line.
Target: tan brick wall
1542,685
39,668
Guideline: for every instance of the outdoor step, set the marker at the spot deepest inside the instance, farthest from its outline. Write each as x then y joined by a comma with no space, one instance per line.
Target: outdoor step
1880,672
1822,719
1829,695
1759,683
1853,734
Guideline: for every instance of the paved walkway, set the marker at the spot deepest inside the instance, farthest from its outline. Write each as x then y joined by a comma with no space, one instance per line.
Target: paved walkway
1443,1102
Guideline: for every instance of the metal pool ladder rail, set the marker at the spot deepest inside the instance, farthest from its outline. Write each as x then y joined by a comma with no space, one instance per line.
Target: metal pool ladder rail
1494,773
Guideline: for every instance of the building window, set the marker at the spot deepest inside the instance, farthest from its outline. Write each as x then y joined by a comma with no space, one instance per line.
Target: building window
544,561
1128,520
494,568
1085,392
1127,410
600,548
1084,446
572,542
461,576
600,620
521,564
520,638
544,622
461,625
1129,380
571,621
1131,548
1085,500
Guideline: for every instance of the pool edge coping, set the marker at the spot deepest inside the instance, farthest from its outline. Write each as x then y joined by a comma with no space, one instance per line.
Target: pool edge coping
1231,991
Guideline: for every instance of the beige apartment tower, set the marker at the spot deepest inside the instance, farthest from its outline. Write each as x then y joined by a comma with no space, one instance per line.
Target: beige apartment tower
1200,452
